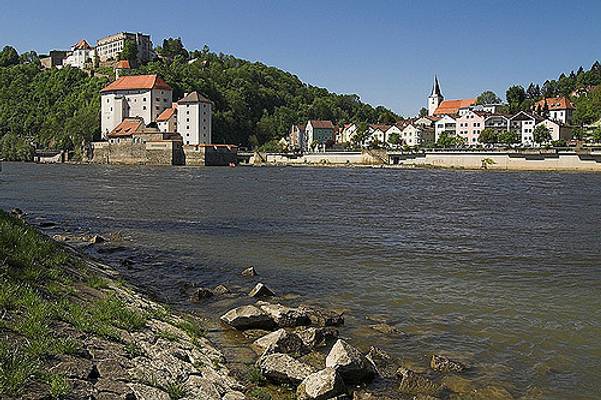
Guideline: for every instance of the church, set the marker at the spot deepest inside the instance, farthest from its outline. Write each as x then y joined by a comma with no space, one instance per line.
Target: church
438,106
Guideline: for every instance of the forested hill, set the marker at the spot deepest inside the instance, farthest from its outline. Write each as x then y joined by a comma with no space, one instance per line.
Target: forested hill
254,103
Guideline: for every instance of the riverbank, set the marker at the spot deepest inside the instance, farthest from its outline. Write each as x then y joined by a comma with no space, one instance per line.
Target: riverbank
73,329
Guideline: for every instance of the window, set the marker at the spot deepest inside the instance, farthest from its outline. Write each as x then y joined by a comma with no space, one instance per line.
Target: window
187,126
143,107
143,98
187,119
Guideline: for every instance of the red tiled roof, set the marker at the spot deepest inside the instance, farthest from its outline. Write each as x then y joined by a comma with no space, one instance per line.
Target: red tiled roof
82,45
555,103
166,114
453,106
319,124
382,127
123,64
134,82
127,127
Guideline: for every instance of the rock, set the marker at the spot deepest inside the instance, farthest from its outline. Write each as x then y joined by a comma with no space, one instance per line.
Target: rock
47,224
281,341
386,366
284,316
281,368
144,392
260,290
321,385
234,396
248,317
96,239
414,383
323,317
201,294
220,290
352,366
314,337
17,213
254,334
249,272
61,238
444,364
424,397
386,329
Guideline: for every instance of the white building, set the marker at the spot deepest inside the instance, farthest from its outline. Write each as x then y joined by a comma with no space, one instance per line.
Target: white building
167,120
109,47
348,131
447,124
144,96
81,54
557,108
296,138
392,130
435,98
558,130
523,123
194,119
416,135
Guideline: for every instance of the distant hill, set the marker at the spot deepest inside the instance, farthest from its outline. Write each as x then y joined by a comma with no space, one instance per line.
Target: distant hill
254,103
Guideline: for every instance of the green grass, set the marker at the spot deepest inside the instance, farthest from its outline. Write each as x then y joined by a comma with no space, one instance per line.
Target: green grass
176,390
59,385
16,369
133,350
98,282
260,394
254,376
192,327
170,336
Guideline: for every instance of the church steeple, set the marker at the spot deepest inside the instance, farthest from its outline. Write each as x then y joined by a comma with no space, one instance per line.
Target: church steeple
435,98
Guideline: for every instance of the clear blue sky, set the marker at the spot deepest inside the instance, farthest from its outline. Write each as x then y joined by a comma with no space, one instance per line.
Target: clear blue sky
385,51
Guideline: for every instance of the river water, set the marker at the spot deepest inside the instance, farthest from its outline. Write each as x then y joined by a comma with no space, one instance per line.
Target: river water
501,270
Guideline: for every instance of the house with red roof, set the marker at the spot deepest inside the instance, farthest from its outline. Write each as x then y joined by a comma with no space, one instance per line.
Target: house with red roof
81,54
556,108
144,96
167,120
438,106
318,133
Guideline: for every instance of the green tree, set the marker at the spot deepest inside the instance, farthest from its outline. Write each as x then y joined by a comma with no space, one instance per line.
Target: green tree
488,136
449,140
541,134
488,97
15,148
423,112
129,52
515,97
8,56
172,48
509,137
361,134
394,139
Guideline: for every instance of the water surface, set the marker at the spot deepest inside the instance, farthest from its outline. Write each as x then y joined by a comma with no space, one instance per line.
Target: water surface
500,269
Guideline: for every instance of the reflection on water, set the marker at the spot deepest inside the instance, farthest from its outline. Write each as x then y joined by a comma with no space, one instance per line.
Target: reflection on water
498,269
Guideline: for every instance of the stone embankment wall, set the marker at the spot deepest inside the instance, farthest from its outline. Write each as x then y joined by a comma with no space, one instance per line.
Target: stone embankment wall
525,161
128,153
209,155
367,157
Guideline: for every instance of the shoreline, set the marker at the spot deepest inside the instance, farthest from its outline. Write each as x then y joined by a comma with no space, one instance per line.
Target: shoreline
421,379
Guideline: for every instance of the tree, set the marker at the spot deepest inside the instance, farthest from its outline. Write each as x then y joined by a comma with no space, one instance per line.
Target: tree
488,97
508,137
172,48
541,134
394,139
488,136
423,112
8,56
515,97
361,134
533,92
448,140
129,52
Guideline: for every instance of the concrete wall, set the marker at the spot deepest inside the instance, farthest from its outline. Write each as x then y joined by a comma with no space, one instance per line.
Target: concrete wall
535,161
211,156
129,153
366,157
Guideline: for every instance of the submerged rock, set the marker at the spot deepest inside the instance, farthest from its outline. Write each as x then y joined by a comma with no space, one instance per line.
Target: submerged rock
322,385
281,341
353,366
17,213
260,290
201,294
249,272
386,365
444,364
284,316
414,383
314,337
281,368
220,290
386,329
323,318
248,317
96,239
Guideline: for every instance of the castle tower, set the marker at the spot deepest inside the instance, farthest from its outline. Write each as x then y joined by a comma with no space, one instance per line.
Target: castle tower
435,98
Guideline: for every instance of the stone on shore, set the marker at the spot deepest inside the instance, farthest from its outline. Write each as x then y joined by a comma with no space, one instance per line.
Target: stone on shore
201,294
322,385
386,365
281,341
249,272
220,290
96,239
260,290
282,368
248,317
444,364
17,213
284,316
314,337
323,317
352,366
417,384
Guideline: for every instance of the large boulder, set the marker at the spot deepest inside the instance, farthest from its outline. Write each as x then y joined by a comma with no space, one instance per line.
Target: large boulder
284,316
201,294
249,272
386,365
281,368
281,341
352,366
417,384
322,385
314,337
444,364
260,290
323,318
248,317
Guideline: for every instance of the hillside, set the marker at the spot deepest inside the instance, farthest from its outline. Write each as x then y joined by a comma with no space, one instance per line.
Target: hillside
254,103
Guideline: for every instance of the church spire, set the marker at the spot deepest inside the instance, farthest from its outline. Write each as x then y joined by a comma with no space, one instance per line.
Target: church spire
436,87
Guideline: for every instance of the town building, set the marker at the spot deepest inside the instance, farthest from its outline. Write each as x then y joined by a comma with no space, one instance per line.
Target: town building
109,47
523,124
557,108
394,129
144,96
558,130
438,106
296,137
435,98
121,66
194,119
427,121
470,125
416,135
54,59
446,124
497,122
167,120
82,55
348,131
318,133
376,134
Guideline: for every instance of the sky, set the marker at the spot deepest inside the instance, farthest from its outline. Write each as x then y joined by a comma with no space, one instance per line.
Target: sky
385,51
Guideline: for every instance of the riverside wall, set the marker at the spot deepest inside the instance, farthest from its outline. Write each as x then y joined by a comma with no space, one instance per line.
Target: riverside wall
130,153
368,157
543,160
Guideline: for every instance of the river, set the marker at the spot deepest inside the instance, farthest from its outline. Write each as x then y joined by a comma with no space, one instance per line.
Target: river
499,269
